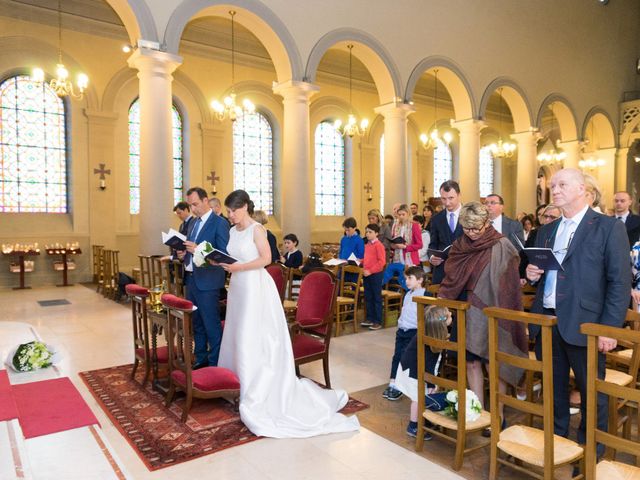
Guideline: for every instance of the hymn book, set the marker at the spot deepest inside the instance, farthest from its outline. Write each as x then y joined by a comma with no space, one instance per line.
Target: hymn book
541,257
443,254
219,256
398,240
174,239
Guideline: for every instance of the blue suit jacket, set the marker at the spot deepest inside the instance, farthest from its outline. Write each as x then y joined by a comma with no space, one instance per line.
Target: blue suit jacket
441,238
595,284
633,228
511,229
216,232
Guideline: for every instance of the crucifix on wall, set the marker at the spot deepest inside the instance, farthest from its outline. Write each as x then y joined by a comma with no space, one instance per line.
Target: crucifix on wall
102,171
213,179
368,188
423,191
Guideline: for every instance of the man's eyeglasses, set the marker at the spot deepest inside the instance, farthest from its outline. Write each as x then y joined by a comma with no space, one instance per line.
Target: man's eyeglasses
474,230
550,217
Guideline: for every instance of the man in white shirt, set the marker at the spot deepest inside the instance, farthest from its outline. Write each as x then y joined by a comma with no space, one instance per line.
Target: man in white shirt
622,210
444,226
502,224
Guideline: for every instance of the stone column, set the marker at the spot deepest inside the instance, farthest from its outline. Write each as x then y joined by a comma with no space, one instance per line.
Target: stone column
469,161
397,184
606,176
156,167
527,170
573,149
297,191
622,164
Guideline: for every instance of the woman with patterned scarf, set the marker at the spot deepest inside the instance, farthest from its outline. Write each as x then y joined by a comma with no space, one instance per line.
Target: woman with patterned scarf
482,269
405,243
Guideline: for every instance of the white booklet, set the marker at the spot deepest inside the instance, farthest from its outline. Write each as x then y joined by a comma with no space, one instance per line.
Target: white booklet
174,239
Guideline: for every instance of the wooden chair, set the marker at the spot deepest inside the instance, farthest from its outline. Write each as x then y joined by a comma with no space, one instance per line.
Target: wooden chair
176,284
521,443
95,257
311,332
141,343
347,299
280,276
607,469
392,296
101,271
460,428
207,382
159,271
290,302
145,271
107,275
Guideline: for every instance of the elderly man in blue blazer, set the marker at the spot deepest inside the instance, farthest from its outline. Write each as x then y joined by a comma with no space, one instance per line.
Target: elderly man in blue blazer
592,287
509,228
204,283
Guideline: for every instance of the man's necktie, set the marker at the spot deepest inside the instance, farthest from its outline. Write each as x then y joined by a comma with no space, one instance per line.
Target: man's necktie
193,234
452,222
561,246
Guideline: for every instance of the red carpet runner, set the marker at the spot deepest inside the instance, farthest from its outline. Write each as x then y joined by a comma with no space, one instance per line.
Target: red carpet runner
8,409
155,432
50,406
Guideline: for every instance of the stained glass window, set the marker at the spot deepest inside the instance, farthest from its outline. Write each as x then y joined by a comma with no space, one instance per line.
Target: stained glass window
382,173
486,172
253,159
134,156
329,187
442,164
33,159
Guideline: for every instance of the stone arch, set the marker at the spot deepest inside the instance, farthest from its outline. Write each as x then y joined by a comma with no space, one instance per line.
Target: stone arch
455,81
603,127
253,15
565,115
369,51
137,19
515,99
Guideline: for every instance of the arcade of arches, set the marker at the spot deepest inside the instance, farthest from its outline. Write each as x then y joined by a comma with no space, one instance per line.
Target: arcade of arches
500,75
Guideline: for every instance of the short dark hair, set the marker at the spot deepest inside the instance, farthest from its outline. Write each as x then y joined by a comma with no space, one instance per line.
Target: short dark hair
389,217
500,199
417,272
427,207
202,193
414,203
450,185
349,223
181,206
292,237
374,227
419,219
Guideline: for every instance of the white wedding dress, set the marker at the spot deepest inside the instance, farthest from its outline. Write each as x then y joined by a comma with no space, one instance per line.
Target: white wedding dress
256,345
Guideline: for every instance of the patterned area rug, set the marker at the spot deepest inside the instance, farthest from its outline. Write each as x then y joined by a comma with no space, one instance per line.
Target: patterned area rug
155,432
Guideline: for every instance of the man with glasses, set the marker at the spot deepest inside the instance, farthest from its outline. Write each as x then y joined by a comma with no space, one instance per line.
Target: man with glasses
511,229
592,287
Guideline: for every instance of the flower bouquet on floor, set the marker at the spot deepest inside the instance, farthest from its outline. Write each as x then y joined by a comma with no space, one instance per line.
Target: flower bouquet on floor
473,406
32,356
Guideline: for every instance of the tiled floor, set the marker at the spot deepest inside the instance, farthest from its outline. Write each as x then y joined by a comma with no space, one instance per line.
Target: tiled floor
93,332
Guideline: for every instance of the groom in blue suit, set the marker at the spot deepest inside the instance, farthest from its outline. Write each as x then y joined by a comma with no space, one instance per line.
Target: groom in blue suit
204,283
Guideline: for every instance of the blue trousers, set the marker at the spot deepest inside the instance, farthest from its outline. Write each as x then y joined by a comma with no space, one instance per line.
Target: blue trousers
392,270
207,331
373,297
403,337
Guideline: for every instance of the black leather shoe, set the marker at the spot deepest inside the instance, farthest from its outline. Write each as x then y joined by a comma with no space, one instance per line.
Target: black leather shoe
199,365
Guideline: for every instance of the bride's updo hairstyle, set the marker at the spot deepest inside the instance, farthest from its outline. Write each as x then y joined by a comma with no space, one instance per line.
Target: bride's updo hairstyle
238,199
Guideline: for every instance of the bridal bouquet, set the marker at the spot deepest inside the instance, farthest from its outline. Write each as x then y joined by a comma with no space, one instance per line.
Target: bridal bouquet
32,356
202,250
473,409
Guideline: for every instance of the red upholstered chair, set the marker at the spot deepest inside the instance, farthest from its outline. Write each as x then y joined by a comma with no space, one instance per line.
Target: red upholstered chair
311,331
279,274
141,343
207,382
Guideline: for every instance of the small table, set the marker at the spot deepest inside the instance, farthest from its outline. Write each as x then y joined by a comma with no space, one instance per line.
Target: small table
157,326
21,254
65,268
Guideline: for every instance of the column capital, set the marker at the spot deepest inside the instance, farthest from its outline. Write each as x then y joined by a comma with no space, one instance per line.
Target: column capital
154,62
530,137
470,125
293,90
395,110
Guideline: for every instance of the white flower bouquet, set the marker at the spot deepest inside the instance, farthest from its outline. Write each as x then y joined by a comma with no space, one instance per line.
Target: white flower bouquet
32,356
202,250
473,407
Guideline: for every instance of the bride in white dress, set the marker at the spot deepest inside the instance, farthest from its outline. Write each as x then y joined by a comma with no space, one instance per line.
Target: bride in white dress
256,345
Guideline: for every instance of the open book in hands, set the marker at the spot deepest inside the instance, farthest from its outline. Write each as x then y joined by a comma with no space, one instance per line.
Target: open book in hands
443,254
219,256
353,260
174,239
541,257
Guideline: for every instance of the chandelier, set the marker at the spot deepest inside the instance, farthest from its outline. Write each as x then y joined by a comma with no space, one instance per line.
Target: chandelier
228,107
61,84
592,161
501,149
553,155
432,140
351,128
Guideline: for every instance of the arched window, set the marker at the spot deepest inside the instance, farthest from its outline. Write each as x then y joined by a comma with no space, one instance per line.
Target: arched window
253,159
329,186
134,156
382,173
442,164
486,172
33,159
